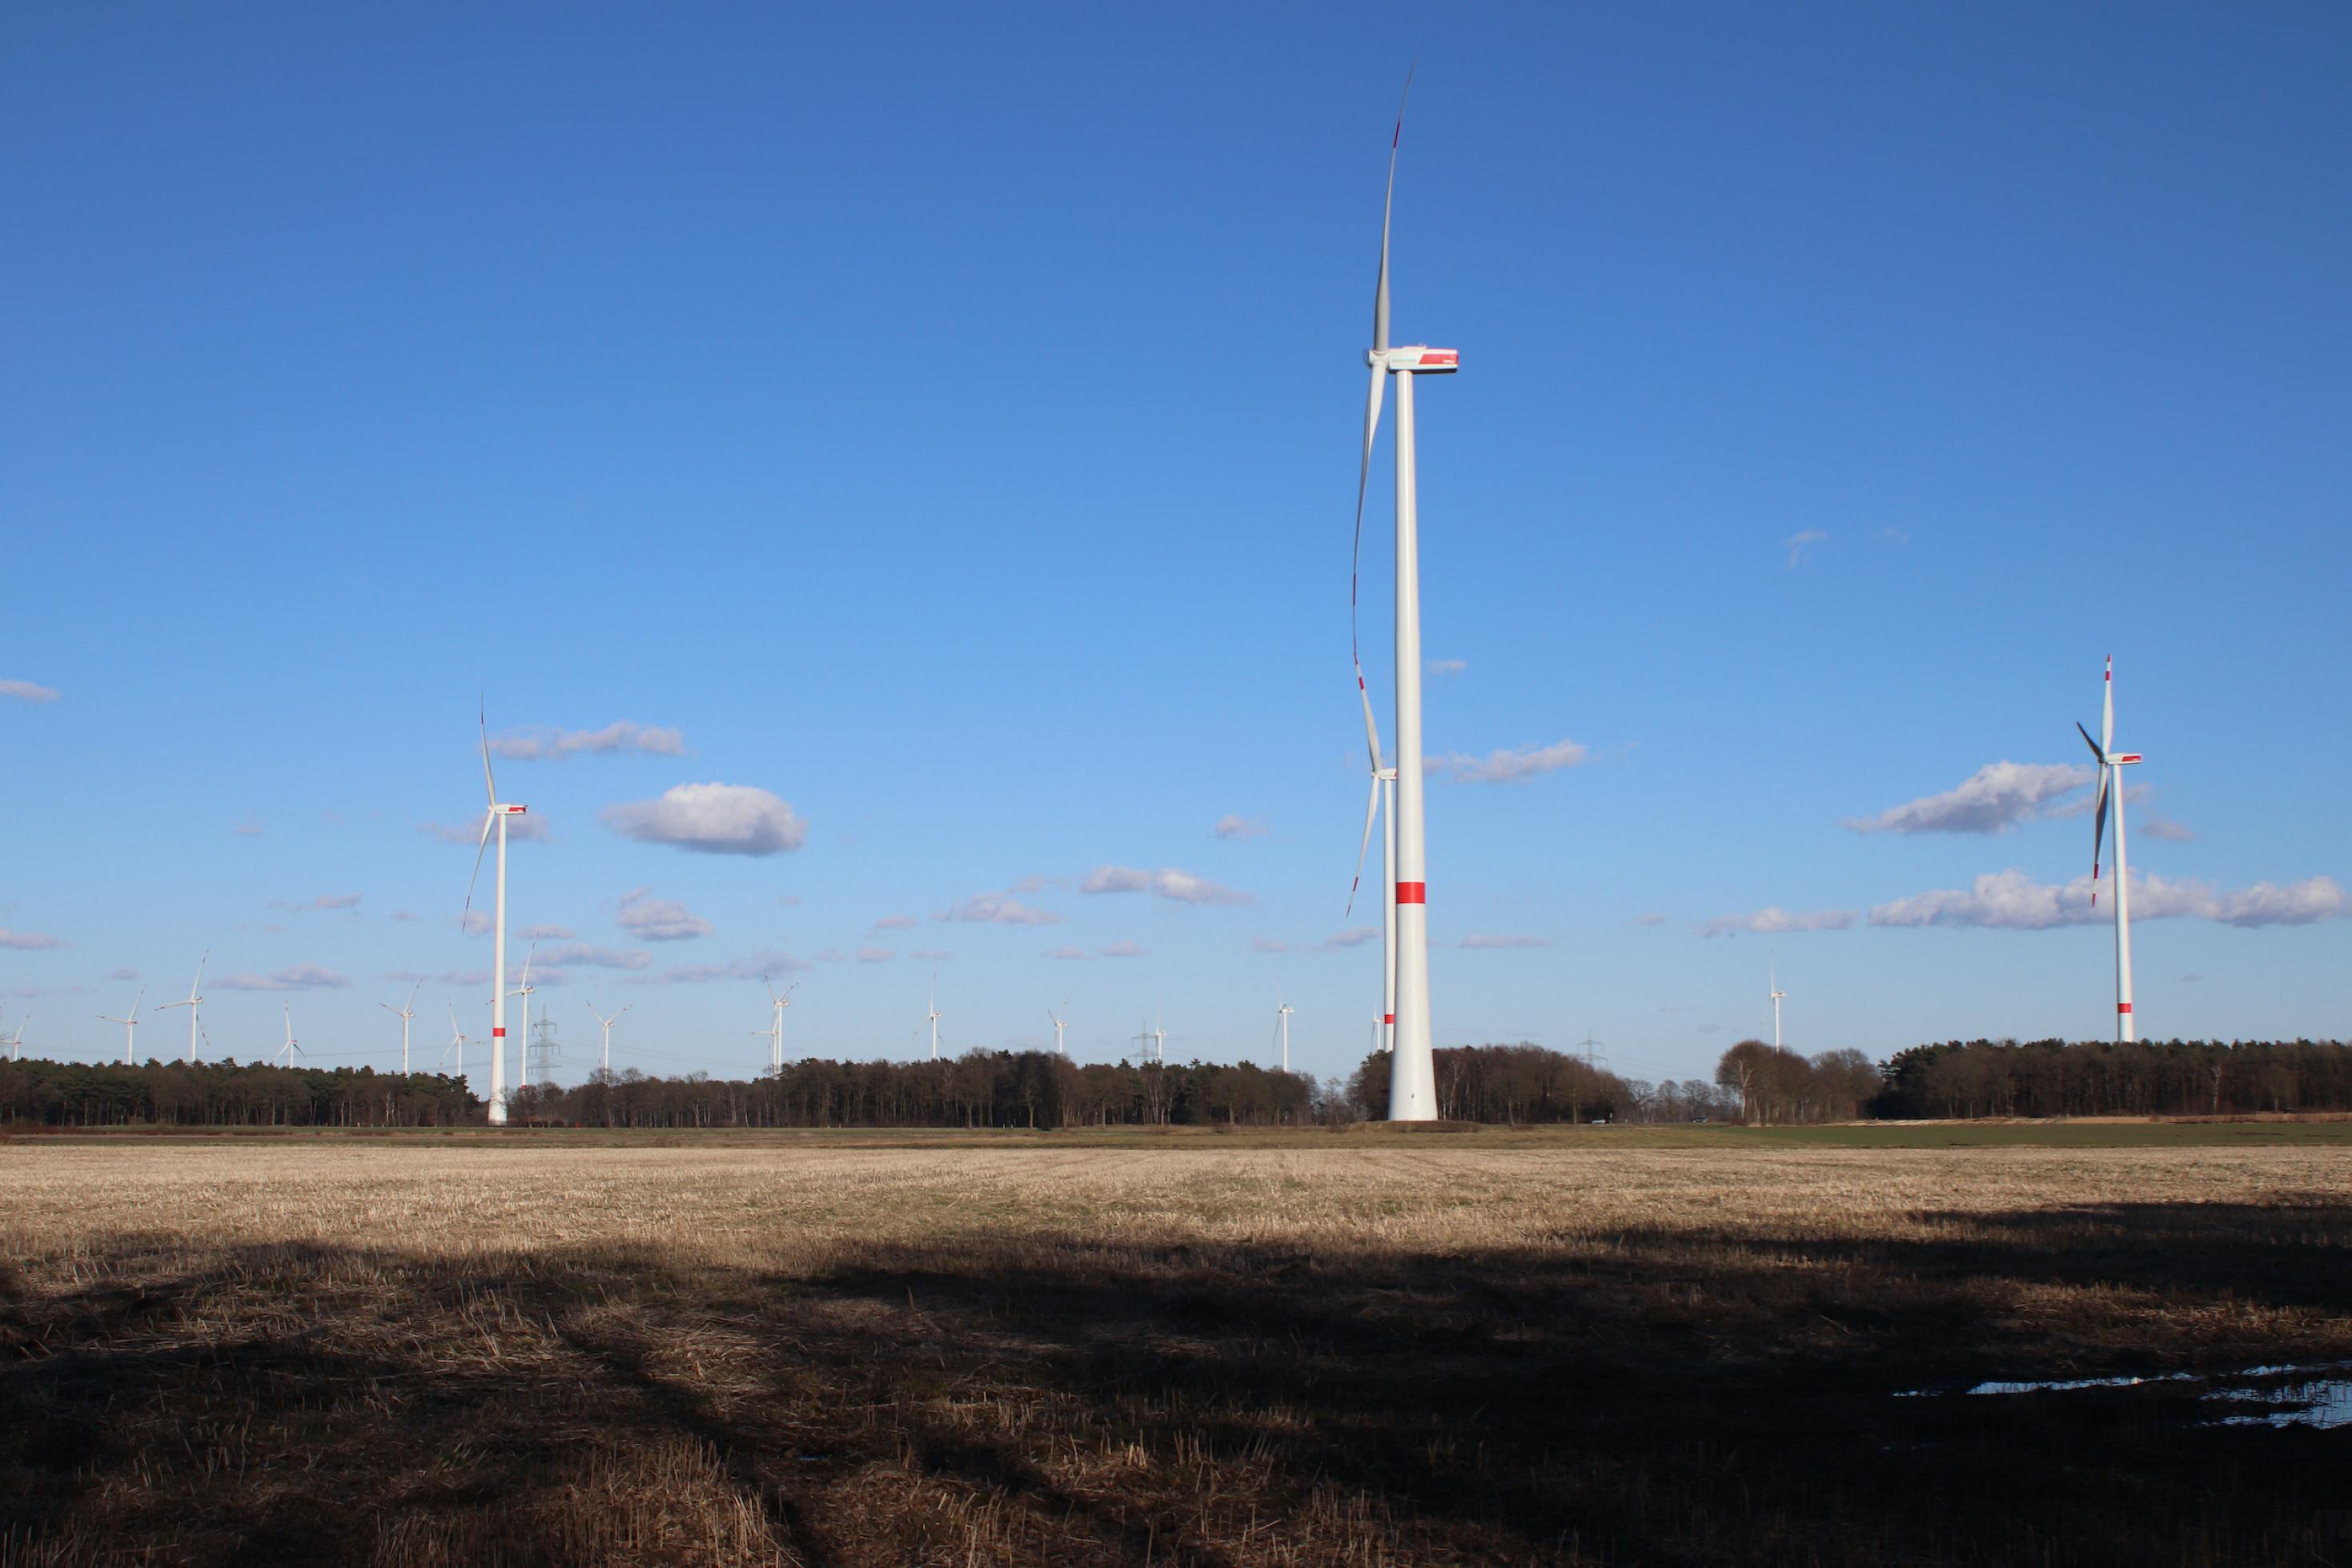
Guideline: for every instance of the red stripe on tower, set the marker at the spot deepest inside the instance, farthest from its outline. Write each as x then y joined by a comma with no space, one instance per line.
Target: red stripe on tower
499,1033
1412,892
2123,1007
1388,1018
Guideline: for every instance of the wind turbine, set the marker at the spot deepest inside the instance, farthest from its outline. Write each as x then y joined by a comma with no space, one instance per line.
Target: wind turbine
1383,794
933,1018
496,815
524,990
1412,1074
2113,763
16,1042
1060,1023
1777,993
457,1045
1282,1027
607,1025
129,1025
292,1048
1159,1043
775,1033
193,1002
404,1013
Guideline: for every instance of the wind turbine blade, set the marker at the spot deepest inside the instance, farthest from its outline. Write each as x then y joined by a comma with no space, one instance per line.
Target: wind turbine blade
2096,749
2098,836
2108,710
490,785
481,848
527,958
1387,207
410,1004
1372,813
1356,545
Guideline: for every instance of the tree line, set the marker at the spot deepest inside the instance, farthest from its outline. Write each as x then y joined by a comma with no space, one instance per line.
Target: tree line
2102,1078
230,1094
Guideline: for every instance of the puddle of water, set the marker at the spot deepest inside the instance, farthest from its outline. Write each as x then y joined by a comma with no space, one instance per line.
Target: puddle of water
2306,1400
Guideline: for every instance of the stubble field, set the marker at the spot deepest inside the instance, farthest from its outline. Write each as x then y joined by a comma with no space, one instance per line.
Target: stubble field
1302,1349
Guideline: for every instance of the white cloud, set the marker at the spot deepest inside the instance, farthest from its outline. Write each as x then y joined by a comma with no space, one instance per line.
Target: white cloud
1178,886
1236,828
528,933
27,692
897,922
474,922
2010,900
31,941
541,743
127,973
750,966
997,909
1068,950
1479,939
294,978
324,901
1775,921
1650,919
248,829
651,919
1797,544
1894,536
875,955
1354,937
523,830
930,955
1993,799
1121,950
2163,828
712,819
1506,767
591,957
1439,669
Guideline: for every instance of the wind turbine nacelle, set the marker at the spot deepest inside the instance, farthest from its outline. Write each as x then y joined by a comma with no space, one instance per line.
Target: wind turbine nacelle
513,810
1419,360
2120,758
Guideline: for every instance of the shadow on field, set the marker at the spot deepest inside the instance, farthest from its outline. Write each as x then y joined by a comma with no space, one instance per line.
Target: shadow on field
1653,1397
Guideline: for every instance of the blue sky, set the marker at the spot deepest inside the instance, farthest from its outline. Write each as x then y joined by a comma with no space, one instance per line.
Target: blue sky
945,427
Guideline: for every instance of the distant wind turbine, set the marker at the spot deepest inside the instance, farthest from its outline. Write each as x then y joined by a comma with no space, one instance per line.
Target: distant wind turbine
1412,1074
129,1025
497,816
16,1040
1776,994
457,1045
2112,764
192,1003
607,1025
524,990
933,1018
404,1013
292,1048
1282,1028
775,1033
1060,1023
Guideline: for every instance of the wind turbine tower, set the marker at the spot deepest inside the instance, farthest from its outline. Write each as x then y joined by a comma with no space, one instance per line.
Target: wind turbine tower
292,1047
1060,1023
1776,994
2112,764
495,817
457,1045
1282,1028
404,1013
129,1025
16,1040
933,1018
1412,1076
524,990
192,1003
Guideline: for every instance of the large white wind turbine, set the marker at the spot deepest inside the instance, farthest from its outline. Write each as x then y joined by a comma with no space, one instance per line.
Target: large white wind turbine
192,1003
1282,1028
2112,764
1774,995
16,1040
1060,1023
497,817
404,1013
775,1033
933,1018
607,1025
1412,1074
292,1047
129,1025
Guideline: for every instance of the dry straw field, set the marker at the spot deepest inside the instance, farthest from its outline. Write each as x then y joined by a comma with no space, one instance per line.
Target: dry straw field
1318,1350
